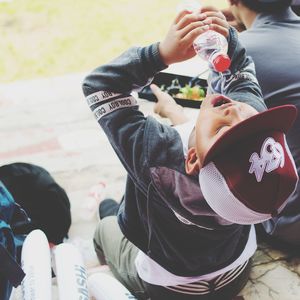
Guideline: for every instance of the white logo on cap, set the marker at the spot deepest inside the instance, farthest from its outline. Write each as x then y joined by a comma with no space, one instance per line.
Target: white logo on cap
271,157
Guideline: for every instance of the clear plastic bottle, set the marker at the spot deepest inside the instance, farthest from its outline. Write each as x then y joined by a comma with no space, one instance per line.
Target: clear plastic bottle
212,47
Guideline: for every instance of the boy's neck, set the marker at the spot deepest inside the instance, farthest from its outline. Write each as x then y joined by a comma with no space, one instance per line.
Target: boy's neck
247,16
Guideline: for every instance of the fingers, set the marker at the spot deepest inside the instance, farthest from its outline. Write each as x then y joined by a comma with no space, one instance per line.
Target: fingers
185,17
191,35
194,27
191,31
209,8
155,89
178,44
157,93
160,95
219,25
220,29
181,15
165,103
217,14
190,18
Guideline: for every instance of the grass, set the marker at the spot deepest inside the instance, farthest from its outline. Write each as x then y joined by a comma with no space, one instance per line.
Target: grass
54,37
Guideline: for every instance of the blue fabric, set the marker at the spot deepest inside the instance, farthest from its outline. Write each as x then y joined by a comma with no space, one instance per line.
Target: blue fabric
11,273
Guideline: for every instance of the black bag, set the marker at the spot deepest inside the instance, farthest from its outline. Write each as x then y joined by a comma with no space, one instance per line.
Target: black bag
44,201
11,273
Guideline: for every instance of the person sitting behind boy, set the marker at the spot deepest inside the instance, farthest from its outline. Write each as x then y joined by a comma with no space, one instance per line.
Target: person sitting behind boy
183,229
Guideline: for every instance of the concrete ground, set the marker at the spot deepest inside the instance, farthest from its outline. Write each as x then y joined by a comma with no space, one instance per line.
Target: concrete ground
48,123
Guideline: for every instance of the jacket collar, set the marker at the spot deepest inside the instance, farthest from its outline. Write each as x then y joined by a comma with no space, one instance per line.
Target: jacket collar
286,16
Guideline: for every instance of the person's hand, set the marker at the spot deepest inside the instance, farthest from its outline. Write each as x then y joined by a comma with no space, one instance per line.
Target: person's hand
228,15
217,20
165,103
166,107
178,44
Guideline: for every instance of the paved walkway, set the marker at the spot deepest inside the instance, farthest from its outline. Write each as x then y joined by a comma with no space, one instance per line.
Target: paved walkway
47,122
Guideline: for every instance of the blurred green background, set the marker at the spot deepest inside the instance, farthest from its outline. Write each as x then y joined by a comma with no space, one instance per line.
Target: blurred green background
42,38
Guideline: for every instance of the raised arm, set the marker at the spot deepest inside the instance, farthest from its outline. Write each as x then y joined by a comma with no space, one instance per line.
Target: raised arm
239,82
108,92
136,67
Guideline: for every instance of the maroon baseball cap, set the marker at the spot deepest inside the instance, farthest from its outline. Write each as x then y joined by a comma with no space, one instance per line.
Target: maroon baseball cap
249,172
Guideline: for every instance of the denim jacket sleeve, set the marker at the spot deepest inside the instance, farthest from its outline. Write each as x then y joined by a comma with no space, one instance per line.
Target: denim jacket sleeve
138,140
239,81
108,92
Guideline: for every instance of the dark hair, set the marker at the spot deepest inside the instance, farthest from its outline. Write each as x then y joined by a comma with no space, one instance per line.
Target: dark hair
261,6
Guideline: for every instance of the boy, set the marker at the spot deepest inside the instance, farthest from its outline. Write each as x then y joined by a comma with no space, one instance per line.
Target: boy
277,70
182,229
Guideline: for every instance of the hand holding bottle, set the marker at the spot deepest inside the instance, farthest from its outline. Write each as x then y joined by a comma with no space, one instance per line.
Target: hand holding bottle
212,45
166,107
177,46
217,21
187,26
232,21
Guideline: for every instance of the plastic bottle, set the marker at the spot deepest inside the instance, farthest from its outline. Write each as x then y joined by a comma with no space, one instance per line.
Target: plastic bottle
212,47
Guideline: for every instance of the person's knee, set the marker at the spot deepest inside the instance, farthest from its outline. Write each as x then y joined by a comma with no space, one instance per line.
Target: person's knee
102,228
101,231
98,243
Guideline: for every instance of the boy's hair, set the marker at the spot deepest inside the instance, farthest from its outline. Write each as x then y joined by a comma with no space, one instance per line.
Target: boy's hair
265,6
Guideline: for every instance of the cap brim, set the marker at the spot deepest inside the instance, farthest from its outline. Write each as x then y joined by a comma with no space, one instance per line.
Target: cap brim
279,118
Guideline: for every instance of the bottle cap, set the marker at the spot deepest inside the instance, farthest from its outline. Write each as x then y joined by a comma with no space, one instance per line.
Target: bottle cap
221,62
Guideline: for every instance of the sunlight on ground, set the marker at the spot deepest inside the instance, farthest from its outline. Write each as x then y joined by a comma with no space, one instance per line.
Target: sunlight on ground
47,38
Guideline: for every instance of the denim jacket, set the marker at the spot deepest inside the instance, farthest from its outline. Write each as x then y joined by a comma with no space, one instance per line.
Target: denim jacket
163,211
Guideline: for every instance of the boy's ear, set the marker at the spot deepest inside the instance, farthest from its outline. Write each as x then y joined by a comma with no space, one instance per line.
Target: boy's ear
192,163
